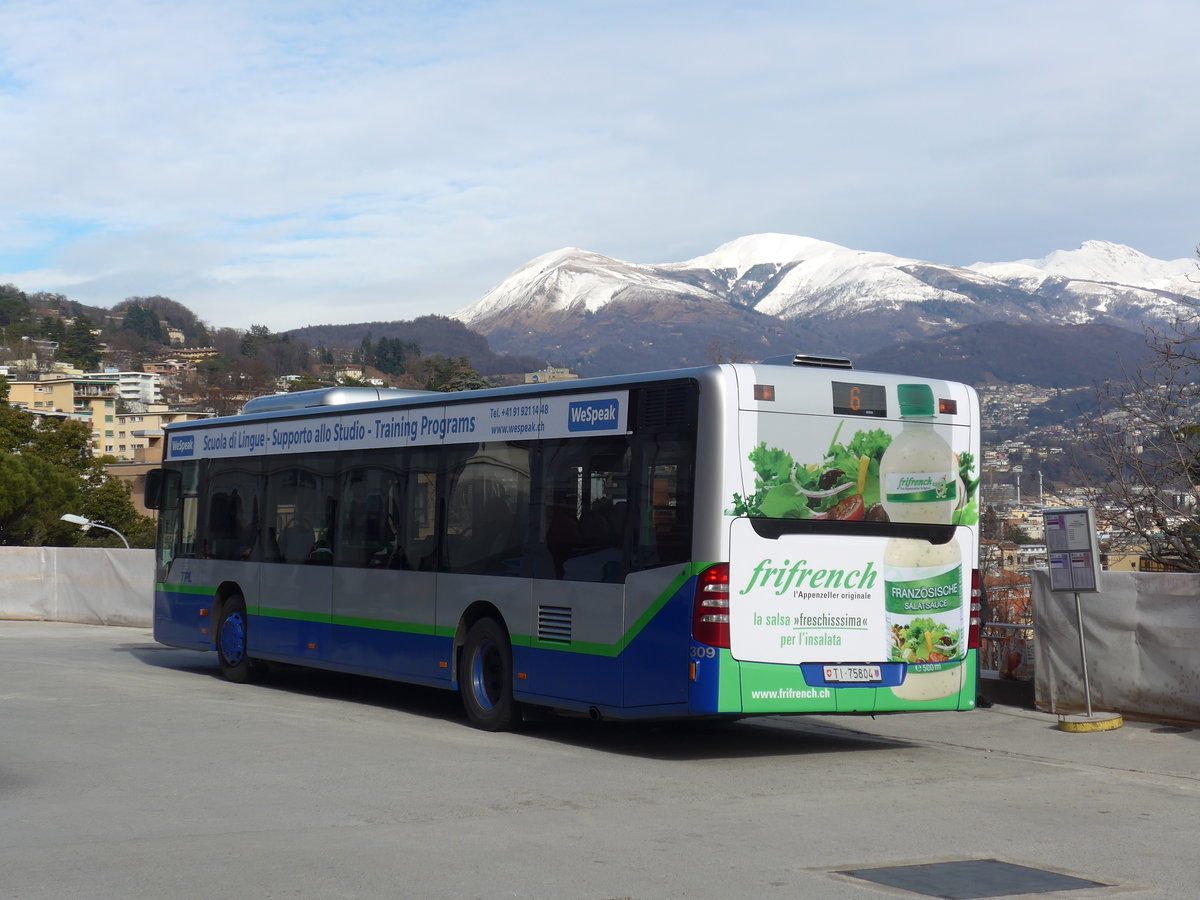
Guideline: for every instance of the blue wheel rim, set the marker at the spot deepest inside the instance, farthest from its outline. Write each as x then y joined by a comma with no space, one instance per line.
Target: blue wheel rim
486,672
233,638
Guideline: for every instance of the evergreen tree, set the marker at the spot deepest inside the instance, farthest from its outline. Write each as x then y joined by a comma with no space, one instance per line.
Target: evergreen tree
391,355
447,374
14,307
52,329
33,494
144,323
47,469
81,347
304,383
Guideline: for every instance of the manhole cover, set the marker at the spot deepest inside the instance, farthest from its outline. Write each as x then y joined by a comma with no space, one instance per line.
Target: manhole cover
1171,729
972,878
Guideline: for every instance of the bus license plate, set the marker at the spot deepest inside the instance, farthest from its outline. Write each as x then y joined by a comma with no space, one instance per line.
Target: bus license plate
853,673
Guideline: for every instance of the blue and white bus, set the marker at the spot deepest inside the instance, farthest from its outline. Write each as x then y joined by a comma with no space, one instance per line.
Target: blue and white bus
780,538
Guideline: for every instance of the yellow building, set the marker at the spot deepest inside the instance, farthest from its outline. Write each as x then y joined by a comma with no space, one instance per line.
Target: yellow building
193,354
139,436
91,401
551,373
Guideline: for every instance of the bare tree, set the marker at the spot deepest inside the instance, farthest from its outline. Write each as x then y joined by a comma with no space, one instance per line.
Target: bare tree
1147,441
718,351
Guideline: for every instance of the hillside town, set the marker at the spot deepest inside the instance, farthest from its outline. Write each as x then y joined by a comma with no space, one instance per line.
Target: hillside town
1030,457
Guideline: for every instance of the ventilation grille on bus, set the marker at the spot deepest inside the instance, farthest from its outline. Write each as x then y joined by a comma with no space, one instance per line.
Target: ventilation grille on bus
664,405
554,623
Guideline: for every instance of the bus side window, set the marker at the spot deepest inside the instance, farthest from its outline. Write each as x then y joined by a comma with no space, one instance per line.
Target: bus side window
221,524
231,507
668,490
415,512
300,513
367,533
189,508
166,493
584,509
488,511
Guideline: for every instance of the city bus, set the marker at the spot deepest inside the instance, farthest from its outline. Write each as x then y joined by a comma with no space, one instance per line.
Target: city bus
788,537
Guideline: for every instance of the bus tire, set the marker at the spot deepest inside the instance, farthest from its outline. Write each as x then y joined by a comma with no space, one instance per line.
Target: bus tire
232,629
485,678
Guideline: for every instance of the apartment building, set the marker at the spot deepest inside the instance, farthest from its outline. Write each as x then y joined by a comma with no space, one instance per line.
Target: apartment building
136,390
90,400
139,435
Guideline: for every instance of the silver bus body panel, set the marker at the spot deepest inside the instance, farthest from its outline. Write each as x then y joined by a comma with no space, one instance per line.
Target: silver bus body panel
718,410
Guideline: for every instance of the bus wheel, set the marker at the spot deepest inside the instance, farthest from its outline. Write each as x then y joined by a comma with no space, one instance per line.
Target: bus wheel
485,678
236,665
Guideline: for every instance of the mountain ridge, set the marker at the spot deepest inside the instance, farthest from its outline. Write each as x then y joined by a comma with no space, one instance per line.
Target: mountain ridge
826,297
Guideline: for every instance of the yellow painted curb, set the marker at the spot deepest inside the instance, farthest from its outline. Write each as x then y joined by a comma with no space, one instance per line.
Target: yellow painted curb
1083,724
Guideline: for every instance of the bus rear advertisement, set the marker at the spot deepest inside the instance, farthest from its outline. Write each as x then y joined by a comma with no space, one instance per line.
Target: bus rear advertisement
721,541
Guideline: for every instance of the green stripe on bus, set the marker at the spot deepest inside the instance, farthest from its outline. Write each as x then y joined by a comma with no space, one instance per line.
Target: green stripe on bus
300,615
585,647
388,625
612,650
729,684
186,589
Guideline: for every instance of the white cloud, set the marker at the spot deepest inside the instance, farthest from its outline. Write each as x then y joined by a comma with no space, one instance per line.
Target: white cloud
287,163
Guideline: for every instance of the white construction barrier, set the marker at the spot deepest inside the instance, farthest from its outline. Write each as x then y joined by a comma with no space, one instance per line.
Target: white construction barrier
75,584
1142,641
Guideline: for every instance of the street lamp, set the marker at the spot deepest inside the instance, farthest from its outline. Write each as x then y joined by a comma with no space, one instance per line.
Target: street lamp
86,523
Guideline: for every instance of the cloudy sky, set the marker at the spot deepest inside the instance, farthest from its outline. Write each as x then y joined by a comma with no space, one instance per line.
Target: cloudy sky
293,162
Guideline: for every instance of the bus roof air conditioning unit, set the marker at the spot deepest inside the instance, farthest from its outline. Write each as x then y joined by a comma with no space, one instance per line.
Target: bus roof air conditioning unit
811,361
333,396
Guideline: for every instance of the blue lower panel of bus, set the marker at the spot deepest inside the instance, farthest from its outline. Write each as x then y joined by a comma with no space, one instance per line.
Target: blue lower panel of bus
383,649
656,670
394,650
182,616
644,674
286,637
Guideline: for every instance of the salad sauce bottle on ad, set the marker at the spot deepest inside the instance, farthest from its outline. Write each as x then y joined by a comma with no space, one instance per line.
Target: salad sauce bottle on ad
918,479
923,582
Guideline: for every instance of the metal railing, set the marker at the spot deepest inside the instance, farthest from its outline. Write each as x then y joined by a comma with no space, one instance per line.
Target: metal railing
1006,650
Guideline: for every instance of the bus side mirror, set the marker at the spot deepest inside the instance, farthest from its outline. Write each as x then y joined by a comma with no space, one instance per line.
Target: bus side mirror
156,487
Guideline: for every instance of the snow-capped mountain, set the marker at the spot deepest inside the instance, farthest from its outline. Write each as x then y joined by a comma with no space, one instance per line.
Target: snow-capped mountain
798,277
769,290
1102,262
568,279
1106,281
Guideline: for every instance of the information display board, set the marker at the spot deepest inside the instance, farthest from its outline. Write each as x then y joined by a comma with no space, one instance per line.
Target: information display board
1072,548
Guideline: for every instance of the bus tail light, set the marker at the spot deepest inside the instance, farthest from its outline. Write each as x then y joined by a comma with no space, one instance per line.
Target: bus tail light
710,611
976,624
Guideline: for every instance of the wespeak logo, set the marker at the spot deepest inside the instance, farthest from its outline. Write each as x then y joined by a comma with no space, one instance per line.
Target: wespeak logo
183,445
593,415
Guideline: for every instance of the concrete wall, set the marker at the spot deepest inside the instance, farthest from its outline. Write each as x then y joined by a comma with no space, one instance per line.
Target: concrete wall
75,584
1141,640
1141,632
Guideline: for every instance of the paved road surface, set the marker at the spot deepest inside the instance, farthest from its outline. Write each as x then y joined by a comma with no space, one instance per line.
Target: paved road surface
130,770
